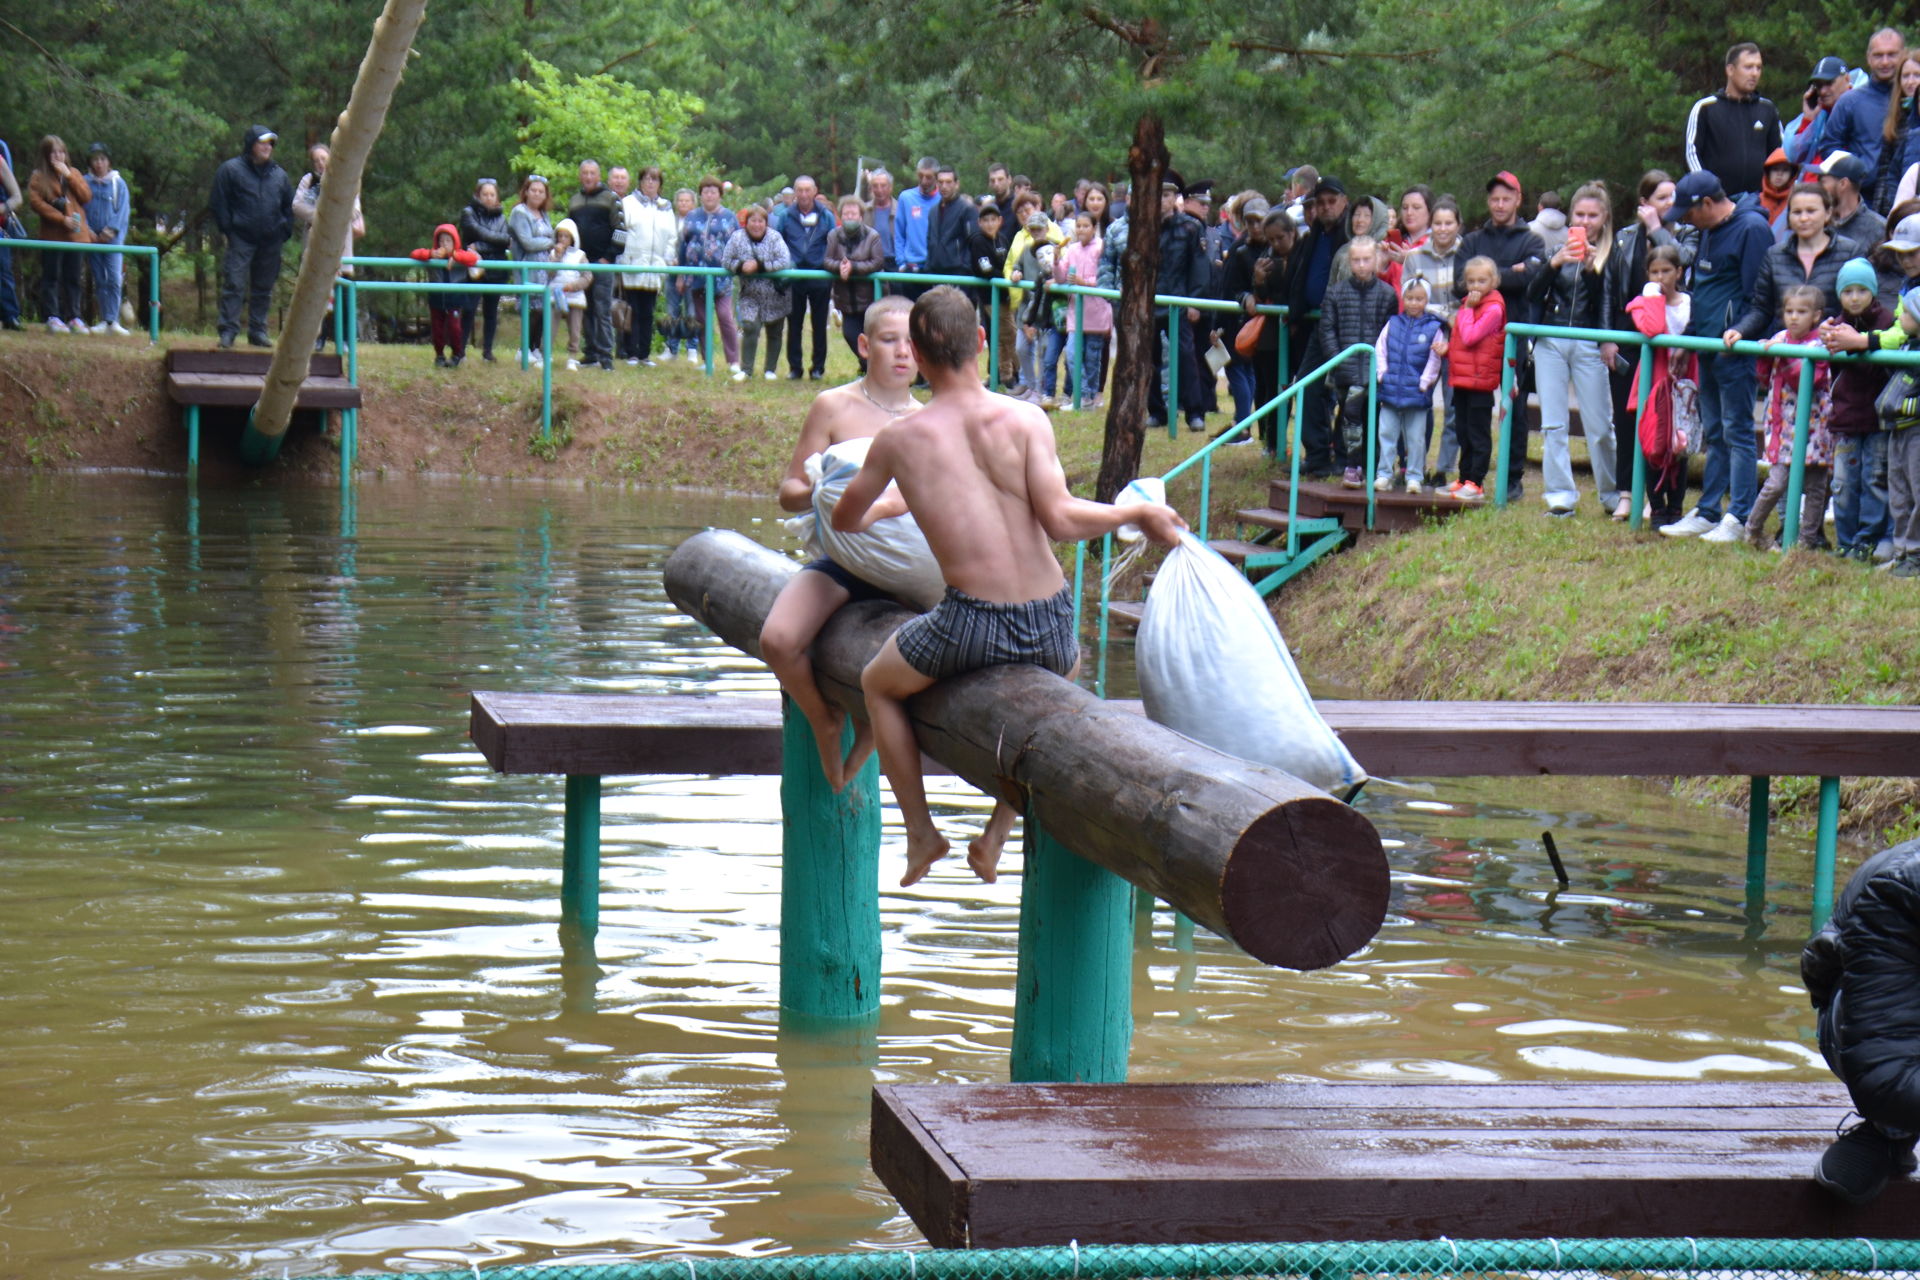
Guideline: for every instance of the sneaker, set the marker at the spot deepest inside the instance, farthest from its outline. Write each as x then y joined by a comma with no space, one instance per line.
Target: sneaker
1883,551
774,377
77,325
1352,478
573,366
56,325
738,374
1413,484
259,340
633,362
1729,530
1049,403
1859,551
1907,566
1196,423
1691,525
119,330
226,339
1860,1162
1452,489
535,360
440,362
99,328
793,375
1382,484
1560,513
1469,492
456,362
646,364
693,357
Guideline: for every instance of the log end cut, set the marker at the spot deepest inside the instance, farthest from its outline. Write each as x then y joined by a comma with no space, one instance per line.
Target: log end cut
1306,886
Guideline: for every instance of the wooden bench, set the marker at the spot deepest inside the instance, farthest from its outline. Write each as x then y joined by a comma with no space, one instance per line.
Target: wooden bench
1004,1166
230,379
589,736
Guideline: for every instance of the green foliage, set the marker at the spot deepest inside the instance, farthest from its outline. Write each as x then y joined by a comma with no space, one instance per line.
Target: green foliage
572,118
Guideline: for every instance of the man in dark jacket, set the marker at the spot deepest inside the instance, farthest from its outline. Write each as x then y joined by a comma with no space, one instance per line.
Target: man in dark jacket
1312,272
806,228
1862,972
1519,253
1731,133
1183,274
595,209
1857,124
1734,240
252,204
950,229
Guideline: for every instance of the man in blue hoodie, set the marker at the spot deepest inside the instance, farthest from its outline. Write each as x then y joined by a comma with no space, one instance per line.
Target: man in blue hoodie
1734,240
252,204
1859,118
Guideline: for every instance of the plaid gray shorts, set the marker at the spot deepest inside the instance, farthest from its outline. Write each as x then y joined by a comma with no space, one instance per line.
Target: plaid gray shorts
963,634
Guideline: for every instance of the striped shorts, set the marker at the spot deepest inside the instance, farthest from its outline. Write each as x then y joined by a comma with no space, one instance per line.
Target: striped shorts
963,634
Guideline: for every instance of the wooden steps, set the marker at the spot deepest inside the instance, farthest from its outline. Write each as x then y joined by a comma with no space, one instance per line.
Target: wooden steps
1394,512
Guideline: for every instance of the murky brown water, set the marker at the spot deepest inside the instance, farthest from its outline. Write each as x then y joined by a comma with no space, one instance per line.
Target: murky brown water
280,990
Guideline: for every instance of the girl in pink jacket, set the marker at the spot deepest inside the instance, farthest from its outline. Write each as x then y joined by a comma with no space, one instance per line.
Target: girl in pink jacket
1079,264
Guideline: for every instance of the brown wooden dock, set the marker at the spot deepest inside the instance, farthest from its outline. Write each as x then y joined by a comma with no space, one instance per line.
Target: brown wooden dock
999,1166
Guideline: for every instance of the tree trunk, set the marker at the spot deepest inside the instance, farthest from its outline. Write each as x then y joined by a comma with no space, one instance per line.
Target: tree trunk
1134,330
352,143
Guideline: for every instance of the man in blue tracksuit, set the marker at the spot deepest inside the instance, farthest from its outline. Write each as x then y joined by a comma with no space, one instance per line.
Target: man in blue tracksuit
1734,240
805,229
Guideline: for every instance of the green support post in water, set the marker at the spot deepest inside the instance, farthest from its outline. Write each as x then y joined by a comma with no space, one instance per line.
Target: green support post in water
1758,800
829,881
1802,409
1826,839
193,437
1639,498
1073,991
580,856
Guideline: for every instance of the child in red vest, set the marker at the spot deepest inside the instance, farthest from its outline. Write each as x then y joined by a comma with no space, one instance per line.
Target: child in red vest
443,309
1473,367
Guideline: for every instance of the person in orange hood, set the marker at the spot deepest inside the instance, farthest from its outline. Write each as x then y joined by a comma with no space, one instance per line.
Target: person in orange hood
443,309
1776,184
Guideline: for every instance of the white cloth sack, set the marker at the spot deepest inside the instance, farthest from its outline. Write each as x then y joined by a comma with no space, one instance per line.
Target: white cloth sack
893,554
1212,665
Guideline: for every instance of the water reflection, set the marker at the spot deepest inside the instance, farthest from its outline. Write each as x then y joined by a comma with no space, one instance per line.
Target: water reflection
279,959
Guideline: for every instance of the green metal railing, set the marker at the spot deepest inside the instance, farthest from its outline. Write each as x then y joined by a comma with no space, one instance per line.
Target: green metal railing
1803,402
1705,1257
146,251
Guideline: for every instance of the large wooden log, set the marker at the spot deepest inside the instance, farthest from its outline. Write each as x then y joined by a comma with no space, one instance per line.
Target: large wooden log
1290,874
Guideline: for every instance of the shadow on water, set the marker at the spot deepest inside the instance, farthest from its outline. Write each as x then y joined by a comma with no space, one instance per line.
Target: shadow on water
280,960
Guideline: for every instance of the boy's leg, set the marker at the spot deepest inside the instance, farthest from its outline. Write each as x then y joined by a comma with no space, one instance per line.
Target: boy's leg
799,611
1813,507
983,852
889,681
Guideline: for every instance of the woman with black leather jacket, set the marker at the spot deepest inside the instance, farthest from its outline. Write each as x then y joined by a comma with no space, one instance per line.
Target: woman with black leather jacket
1582,287
483,229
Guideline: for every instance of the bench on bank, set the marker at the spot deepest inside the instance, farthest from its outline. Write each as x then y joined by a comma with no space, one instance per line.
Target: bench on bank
1005,1166
232,379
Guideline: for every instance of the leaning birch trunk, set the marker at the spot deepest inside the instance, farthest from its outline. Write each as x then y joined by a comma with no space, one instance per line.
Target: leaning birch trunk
352,143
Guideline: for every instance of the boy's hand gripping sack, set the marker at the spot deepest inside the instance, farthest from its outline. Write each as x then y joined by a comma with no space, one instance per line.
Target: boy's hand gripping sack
892,554
1212,666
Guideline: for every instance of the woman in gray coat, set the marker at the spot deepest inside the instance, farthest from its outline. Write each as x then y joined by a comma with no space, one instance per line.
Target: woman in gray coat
758,303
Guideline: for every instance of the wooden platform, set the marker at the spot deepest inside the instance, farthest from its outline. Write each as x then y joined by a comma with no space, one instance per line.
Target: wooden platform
997,1166
234,379
611,734
1393,512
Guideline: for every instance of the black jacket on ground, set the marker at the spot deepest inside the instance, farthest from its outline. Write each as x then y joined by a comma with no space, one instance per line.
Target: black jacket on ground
252,202
1863,974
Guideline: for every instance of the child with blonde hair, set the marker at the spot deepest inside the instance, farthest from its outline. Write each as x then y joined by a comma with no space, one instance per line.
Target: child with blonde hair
1473,363
1800,307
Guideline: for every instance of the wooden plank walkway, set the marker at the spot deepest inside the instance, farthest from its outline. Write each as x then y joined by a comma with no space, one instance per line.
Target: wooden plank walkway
610,735
998,1166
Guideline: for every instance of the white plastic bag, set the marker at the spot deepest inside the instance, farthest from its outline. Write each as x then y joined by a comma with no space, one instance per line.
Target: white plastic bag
893,554
1212,665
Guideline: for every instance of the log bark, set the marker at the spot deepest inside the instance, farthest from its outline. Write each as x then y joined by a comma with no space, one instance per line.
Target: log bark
1135,333
351,145
1291,875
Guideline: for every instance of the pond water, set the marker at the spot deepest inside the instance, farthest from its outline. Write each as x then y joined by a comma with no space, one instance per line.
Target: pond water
280,985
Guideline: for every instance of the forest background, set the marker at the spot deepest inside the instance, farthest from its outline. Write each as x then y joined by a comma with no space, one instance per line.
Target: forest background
1382,93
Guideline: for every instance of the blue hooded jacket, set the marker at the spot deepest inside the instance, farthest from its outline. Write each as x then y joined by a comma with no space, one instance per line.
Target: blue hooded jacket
1729,261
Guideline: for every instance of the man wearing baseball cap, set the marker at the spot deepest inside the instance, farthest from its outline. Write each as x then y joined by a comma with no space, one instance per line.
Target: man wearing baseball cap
1845,176
252,204
1519,253
1804,143
1734,240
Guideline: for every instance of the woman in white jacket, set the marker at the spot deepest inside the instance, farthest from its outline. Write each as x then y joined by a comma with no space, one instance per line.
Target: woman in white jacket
651,240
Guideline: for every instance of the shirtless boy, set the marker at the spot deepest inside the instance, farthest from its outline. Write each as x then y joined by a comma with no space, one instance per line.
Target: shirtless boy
983,479
855,411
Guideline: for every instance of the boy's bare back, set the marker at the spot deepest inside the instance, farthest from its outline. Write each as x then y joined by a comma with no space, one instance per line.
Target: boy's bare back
976,469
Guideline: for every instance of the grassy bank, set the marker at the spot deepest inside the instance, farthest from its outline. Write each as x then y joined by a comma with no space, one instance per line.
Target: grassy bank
1510,605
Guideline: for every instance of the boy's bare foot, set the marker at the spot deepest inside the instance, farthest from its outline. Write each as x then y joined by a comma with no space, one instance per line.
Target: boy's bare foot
921,855
826,738
857,753
983,853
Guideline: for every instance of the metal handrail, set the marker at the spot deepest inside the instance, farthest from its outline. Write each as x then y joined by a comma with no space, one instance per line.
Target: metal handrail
137,250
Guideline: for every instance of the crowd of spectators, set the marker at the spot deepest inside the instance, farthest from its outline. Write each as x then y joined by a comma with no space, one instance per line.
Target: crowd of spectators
1772,223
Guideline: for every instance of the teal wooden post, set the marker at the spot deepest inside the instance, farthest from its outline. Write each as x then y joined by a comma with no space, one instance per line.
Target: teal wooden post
1757,801
1182,933
580,856
1790,514
1173,373
1502,455
546,365
1079,351
706,347
193,437
1639,498
993,335
1073,992
829,881
1373,433
153,298
1825,841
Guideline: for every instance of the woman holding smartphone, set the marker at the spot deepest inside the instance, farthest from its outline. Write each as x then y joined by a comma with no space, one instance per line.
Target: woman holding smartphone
1583,287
